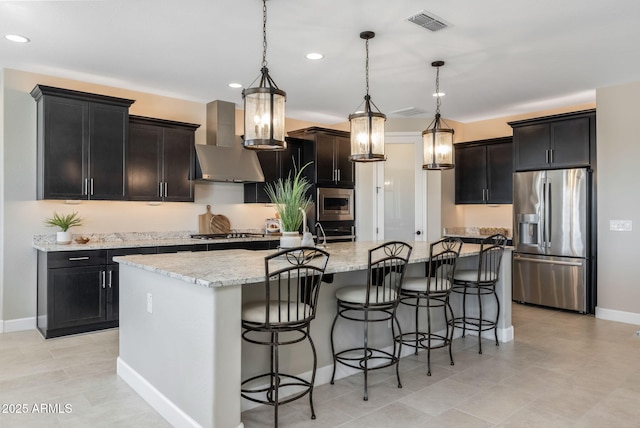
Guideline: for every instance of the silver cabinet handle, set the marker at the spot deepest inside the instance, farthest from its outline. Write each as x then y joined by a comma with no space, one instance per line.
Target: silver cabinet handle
85,187
103,279
165,189
110,278
338,174
160,189
73,259
91,192
551,156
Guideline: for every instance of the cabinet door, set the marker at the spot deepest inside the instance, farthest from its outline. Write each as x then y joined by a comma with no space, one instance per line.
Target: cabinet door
471,173
143,162
531,144
63,149
325,167
76,296
500,173
178,165
108,135
345,167
570,143
113,293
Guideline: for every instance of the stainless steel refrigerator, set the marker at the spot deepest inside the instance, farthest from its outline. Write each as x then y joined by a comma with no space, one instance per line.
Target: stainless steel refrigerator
551,237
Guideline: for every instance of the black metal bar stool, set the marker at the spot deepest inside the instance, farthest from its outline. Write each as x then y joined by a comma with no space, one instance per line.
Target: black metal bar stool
291,289
373,302
480,282
432,292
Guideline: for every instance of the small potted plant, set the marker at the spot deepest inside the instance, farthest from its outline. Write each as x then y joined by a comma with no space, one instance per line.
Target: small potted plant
291,200
64,222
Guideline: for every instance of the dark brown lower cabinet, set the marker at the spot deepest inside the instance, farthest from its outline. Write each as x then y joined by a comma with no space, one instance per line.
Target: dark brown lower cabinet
79,291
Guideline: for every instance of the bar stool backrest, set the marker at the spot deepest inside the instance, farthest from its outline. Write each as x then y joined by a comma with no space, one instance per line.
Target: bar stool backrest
292,283
491,250
387,265
443,256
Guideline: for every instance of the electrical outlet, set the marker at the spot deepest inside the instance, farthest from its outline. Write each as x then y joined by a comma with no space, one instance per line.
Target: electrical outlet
149,303
620,225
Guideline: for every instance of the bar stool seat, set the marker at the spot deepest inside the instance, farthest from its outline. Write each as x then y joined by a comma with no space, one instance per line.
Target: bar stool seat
283,317
480,282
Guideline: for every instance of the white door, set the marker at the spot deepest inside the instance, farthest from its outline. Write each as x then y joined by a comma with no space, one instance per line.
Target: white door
397,199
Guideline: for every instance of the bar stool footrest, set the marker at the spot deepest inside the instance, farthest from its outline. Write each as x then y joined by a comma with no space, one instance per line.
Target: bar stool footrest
267,388
349,358
409,339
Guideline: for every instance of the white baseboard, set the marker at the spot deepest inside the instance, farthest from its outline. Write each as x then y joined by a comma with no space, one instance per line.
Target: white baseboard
172,413
619,316
21,324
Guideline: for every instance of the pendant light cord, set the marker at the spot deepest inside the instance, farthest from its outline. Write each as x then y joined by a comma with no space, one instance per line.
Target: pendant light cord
438,91
367,66
264,33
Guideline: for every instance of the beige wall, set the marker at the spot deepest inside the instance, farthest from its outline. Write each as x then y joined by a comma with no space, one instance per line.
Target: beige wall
617,187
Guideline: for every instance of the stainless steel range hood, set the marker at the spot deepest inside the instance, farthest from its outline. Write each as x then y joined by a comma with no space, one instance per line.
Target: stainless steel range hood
223,158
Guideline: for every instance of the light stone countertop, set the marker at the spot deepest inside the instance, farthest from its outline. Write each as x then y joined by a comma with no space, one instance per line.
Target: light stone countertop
235,267
47,243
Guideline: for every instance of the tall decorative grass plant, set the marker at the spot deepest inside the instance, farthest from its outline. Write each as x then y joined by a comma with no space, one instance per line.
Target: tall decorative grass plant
289,196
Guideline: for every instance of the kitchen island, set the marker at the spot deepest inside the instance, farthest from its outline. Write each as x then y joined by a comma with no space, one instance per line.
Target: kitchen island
180,328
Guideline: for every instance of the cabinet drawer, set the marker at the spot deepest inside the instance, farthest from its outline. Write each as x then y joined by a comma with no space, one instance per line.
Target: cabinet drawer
62,259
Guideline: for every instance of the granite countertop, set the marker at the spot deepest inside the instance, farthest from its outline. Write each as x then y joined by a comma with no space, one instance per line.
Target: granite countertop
234,267
47,243
476,232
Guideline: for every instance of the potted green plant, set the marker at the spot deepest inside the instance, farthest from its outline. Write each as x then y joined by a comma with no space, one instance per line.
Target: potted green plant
64,222
290,197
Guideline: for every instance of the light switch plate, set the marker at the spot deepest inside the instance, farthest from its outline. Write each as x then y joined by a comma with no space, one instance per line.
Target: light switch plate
620,225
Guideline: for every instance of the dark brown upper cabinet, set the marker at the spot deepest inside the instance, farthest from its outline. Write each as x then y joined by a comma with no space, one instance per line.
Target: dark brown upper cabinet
81,145
483,171
160,160
330,154
553,142
275,164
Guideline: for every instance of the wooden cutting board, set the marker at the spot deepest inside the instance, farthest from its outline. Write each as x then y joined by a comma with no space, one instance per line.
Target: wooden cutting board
204,221
220,224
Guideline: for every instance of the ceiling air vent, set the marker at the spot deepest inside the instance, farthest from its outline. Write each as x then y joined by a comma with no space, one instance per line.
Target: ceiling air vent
428,20
408,111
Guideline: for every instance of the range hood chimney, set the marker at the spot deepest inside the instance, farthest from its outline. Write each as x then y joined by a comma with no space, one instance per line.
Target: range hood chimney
223,158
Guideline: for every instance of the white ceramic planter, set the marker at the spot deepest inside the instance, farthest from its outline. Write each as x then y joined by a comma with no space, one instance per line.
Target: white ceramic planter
290,240
63,237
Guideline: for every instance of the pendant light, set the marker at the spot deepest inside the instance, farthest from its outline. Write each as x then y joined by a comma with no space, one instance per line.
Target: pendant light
367,127
438,141
264,106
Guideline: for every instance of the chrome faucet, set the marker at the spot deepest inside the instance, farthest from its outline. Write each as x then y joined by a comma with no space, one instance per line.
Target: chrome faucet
324,236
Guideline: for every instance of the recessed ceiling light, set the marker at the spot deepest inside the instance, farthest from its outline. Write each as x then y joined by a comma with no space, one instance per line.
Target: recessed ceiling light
439,94
235,85
314,56
17,38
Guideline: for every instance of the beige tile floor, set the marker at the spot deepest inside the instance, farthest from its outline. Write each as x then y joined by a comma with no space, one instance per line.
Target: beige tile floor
563,370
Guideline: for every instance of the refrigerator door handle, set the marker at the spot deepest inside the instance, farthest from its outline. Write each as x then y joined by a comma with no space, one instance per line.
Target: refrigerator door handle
547,215
550,262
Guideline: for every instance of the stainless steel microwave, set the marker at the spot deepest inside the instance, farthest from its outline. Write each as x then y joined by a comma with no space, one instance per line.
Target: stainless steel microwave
335,204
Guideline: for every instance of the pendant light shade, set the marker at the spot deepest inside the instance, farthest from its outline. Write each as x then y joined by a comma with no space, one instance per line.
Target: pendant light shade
438,140
367,125
264,106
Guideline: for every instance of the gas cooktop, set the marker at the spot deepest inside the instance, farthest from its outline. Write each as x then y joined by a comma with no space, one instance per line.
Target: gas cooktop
227,235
